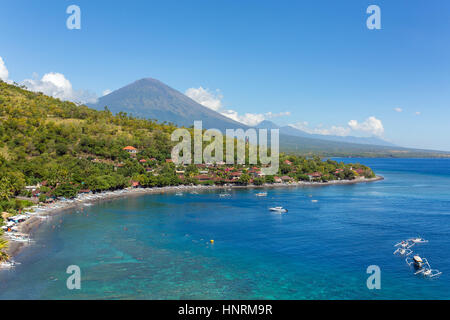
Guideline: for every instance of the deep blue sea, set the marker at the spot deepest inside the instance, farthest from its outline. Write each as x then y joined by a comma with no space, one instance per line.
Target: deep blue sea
158,246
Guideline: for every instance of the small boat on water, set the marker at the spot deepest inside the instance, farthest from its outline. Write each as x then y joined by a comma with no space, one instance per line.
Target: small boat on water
403,252
178,194
224,195
278,209
261,194
418,240
422,266
405,244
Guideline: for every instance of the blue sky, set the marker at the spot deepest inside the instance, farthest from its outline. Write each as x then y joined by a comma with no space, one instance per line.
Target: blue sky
313,60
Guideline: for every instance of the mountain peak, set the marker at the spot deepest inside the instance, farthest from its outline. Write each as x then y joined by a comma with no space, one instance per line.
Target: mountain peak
147,81
152,99
266,124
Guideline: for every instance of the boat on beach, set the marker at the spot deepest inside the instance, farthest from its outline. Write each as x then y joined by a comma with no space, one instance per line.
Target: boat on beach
7,264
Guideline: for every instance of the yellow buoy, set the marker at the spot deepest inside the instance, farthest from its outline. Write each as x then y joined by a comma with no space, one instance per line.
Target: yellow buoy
212,241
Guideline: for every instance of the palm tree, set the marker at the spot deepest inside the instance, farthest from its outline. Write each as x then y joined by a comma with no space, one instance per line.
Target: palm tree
3,247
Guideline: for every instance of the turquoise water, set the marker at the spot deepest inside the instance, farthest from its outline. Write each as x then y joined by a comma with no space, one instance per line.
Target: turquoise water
157,246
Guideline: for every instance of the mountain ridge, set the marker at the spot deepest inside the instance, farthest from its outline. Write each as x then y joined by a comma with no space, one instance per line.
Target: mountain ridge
152,99
292,131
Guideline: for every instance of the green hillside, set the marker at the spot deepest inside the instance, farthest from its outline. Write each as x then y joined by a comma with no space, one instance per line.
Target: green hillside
66,148
70,147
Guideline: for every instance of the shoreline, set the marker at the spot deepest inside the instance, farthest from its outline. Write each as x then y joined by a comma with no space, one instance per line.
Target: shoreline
43,212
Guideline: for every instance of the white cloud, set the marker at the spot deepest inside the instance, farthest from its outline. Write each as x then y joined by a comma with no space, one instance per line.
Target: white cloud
106,92
250,119
206,98
4,74
270,115
332,131
398,109
57,86
371,125
213,101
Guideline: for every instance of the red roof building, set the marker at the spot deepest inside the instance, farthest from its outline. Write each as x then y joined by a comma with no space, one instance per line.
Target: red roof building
130,149
315,175
134,184
203,177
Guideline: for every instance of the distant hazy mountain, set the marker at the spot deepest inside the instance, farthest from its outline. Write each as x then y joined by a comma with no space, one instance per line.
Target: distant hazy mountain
291,131
267,125
152,99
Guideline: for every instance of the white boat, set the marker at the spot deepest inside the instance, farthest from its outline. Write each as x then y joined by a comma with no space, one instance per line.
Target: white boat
405,244
223,195
7,265
418,240
417,262
18,237
278,209
422,266
261,194
403,252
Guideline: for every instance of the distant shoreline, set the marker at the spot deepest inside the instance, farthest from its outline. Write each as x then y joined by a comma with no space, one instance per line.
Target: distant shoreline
59,207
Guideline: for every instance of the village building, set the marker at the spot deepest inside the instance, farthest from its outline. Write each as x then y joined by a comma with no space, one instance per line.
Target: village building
131,150
314,175
287,179
204,177
235,175
277,179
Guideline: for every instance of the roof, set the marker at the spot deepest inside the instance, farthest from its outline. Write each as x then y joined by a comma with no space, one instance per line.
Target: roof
129,148
203,177
315,174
